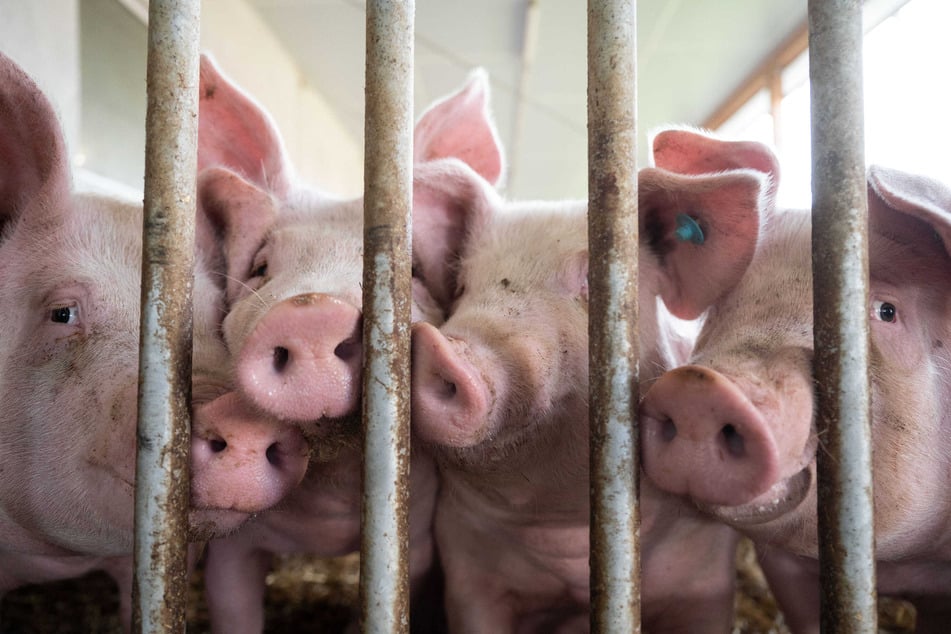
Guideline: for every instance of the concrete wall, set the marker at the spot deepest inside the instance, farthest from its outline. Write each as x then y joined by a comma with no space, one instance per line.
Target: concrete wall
89,57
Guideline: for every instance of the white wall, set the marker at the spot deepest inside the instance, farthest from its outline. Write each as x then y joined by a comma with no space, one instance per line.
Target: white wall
42,38
323,153
89,58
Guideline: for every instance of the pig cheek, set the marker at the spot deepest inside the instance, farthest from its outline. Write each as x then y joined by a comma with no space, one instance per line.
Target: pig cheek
906,461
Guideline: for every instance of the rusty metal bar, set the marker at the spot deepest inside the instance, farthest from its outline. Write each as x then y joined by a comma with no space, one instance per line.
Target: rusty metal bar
162,491
388,200
840,271
612,329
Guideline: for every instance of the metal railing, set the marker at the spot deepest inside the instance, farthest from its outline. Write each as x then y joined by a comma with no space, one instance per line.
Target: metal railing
841,328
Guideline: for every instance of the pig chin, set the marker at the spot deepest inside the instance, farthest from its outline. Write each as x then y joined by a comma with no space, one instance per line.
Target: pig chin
206,524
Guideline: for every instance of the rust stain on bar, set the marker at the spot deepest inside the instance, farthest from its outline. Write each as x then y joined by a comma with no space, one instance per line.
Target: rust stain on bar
162,482
384,567
840,273
613,342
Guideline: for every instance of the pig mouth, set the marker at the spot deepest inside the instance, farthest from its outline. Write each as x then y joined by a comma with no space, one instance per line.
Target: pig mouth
206,524
780,499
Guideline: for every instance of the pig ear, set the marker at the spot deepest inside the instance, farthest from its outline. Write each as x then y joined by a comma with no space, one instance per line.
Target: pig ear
34,170
690,152
450,203
235,132
460,126
917,196
702,230
234,219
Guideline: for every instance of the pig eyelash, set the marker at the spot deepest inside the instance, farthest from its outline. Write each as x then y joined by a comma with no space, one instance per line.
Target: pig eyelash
253,291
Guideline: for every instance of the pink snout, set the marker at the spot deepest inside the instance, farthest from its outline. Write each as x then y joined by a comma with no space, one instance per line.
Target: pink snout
450,400
702,437
302,361
241,462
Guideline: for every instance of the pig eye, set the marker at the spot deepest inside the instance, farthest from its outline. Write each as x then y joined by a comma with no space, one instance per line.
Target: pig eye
65,315
884,311
259,268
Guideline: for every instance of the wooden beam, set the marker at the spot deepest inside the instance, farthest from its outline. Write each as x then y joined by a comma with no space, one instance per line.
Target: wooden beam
788,50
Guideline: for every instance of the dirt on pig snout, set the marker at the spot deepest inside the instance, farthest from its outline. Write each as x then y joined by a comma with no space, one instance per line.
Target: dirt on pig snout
320,595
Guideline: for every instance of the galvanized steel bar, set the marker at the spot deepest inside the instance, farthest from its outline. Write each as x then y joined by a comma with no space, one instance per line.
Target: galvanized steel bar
840,271
162,485
388,185
613,347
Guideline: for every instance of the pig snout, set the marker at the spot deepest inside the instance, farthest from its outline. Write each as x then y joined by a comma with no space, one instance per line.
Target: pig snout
703,438
241,462
450,400
302,361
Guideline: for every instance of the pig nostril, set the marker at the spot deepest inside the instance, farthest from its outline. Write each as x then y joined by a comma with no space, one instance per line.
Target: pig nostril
281,358
273,455
449,389
348,349
668,431
217,445
734,441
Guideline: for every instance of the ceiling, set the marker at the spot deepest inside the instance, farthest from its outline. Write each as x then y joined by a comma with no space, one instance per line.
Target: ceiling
692,54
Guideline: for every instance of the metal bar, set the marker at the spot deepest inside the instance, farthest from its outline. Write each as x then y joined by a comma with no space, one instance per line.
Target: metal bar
840,273
161,494
384,567
612,329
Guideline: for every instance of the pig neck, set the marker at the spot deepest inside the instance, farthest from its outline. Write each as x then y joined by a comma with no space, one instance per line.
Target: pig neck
544,478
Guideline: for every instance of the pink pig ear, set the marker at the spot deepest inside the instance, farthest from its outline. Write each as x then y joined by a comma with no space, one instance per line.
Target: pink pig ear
459,126
34,170
689,152
702,230
450,203
235,132
916,196
236,215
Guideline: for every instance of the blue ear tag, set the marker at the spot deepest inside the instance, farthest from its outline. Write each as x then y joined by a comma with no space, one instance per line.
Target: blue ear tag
688,230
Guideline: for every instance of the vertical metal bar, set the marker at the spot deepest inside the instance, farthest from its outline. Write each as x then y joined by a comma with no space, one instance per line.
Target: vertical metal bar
613,347
384,567
840,272
161,494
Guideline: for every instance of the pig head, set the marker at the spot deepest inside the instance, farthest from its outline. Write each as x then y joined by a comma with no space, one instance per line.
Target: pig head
69,341
734,431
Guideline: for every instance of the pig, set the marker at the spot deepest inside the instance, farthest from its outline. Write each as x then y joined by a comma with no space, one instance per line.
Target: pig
69,296
500,397
293,327
734,431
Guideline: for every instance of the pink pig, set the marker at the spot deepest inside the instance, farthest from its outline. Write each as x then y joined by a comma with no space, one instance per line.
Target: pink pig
734,431
294,327
500,396
69,294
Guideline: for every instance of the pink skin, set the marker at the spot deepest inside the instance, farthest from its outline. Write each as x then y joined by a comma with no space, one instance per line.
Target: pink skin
294,326
69,292
500,395
757,339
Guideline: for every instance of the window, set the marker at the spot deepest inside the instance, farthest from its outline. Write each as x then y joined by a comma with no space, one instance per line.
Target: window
907,97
